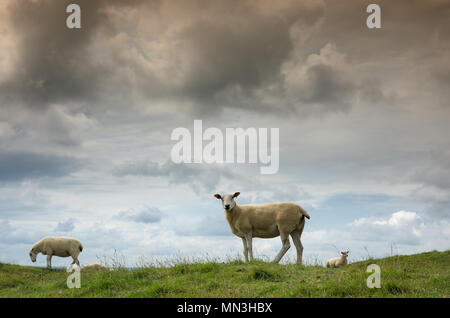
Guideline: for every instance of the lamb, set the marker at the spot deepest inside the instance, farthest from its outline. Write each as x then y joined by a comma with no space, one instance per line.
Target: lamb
265,221
338,261
57,246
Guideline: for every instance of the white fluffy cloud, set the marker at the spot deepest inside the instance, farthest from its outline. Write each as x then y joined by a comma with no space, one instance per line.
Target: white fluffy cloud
402,227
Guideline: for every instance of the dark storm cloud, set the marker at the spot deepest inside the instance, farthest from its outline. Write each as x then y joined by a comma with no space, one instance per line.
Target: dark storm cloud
197,51
321,84
242,47
52,63
22,166
409,29
326,85
410,50
212,54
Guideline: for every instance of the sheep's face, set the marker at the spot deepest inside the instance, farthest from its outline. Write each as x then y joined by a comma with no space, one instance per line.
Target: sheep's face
33,255
345,253
228,202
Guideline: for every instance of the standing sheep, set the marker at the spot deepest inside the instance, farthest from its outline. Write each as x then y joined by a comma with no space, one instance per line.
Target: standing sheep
338,261
57,246
265,221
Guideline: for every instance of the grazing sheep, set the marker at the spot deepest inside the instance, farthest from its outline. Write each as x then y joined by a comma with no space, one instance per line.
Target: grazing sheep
265,221
338,261
94,267
57,246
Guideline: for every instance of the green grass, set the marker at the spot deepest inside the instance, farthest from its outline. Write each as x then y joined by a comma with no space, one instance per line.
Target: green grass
420,275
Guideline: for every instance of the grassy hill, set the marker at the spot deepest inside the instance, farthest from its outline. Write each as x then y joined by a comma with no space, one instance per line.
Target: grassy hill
420,275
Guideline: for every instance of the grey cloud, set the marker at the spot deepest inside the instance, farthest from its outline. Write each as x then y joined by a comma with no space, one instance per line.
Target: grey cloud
407,26
206,179
53,67
200,177
188,52
22,166
55,64
210,49
56,129
326,85
436,170
206,57
142,215
326,81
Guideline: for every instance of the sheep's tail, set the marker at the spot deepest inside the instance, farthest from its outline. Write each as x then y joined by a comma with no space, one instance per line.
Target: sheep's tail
81,247
304,213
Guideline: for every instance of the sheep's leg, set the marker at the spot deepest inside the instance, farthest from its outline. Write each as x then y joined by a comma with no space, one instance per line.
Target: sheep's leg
284,248
75,261
248,238
49,261
298,245
245,249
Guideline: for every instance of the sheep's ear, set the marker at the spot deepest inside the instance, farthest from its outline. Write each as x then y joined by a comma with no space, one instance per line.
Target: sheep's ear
217,196
236,194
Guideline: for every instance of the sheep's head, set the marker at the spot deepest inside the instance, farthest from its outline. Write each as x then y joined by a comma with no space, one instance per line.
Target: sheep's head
345,253
33,254
228,202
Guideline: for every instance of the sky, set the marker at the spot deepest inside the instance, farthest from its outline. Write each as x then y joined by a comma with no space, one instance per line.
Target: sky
86,117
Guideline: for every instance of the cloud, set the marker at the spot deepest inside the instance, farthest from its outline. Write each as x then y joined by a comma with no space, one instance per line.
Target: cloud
191,51
24,166
12,234
142,215
402,232
436,170
206,53
402,227
66,226
50,63
262,56
321,79
85,120
56,130
200,177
